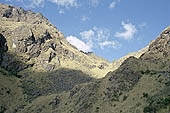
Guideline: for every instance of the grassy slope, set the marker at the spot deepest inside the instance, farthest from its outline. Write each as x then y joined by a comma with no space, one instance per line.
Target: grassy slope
11,96
138,86
99,97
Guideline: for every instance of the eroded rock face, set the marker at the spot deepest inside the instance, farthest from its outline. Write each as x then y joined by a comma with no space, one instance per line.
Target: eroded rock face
19,15
3,46
33,38
162,43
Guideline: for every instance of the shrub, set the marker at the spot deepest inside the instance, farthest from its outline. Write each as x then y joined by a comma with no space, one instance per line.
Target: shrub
149,109
115,97
125,97
167,83
145,95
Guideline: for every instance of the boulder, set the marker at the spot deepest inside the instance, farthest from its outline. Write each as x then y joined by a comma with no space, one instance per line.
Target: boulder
3,46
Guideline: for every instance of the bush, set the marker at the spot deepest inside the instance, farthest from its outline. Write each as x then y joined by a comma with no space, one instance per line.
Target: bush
145,95
149,109
97,109
115,97
167,83
157,104
125,97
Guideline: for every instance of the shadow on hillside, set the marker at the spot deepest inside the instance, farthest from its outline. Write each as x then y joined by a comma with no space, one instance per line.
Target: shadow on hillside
43,83
36,84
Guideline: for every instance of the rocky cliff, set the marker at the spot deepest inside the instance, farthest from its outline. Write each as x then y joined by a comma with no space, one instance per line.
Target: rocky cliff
41,46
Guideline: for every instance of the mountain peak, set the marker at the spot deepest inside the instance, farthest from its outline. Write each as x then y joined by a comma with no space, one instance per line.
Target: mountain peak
18,14
42,45
162,42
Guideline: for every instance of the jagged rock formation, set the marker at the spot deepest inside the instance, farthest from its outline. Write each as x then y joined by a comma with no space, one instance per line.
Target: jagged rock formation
20,15
38,43
32,39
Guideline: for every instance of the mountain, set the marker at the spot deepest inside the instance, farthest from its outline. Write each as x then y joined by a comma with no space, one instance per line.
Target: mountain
139,85
40,44
40,72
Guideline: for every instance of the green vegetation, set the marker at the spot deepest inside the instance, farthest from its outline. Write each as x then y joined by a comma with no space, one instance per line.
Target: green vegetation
125,97
149,109
156,105
97,109
145,95
2,109
86,106
3,71
115,97
7,73
151,72
167,83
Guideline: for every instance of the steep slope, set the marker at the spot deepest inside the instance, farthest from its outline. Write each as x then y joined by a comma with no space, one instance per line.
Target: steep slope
38,59
32,39
38,43
137,86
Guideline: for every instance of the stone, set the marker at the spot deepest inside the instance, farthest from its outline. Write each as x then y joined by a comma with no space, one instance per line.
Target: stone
34,50
101,66
52,55
3,44
48,67
57,101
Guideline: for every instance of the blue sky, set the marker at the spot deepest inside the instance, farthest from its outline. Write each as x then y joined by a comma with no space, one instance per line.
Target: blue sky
109,28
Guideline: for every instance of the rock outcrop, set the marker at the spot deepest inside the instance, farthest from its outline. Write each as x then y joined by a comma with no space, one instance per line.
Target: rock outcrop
34,40
20,15
3,47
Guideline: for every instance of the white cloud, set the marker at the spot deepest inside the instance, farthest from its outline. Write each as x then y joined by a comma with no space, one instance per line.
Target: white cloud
94,2
98,38
32,3
102,34
112,5
84,18
40,3
61,12
87,35
112,44
86,47
65,3
129,31
95,34
93,38
37,3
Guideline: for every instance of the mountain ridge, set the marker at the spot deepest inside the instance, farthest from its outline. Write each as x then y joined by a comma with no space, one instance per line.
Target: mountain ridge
41,72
